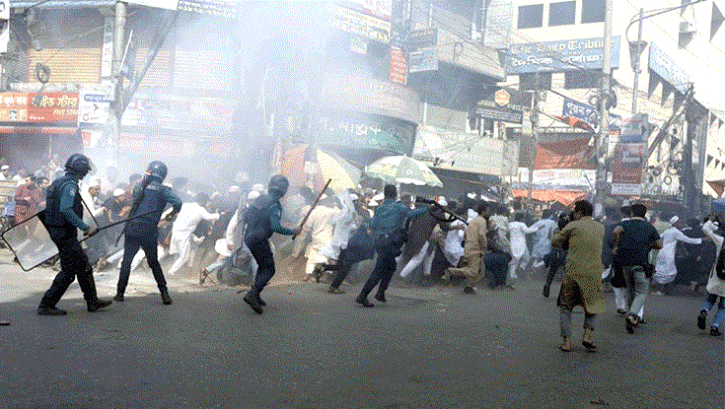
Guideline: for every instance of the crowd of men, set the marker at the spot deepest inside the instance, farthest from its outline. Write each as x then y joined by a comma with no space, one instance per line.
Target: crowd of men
423,241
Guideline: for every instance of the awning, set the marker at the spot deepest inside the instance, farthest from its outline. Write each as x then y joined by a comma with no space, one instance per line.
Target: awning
37,129
565,197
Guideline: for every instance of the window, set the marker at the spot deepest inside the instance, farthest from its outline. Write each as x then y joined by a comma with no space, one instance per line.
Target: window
531,16
593,11
562,13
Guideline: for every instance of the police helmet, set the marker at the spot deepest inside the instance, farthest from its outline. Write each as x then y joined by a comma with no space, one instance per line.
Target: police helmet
78,164
157,169
278,185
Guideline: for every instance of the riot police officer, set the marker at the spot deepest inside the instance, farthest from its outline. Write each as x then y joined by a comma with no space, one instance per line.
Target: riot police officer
262,219
149,201
63,215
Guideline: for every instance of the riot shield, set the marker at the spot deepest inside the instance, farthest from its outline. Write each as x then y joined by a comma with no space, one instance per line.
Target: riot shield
30,242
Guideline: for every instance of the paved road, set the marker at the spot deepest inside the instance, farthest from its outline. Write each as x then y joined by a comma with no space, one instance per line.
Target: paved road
427,348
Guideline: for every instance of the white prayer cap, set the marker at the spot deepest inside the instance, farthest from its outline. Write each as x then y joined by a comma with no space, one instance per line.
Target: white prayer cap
233,188
5,167
442,201
674,219
353,196
379,197
258,187
372,203
118,192
95,181
253,195
471,195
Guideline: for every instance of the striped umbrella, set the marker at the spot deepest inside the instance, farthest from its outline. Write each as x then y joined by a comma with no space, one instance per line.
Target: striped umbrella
402,169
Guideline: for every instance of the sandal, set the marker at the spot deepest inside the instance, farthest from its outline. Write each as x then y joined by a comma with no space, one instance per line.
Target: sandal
565,346
715,331
701,319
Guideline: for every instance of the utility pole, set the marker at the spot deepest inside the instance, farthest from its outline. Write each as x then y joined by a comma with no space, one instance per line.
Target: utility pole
604,94
636,63
534,137
119,35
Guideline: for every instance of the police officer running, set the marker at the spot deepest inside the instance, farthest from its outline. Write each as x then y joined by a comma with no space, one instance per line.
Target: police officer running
151,197
63,215
387,226
262,219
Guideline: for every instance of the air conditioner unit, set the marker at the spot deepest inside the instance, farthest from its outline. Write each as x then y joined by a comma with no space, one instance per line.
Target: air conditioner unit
687,27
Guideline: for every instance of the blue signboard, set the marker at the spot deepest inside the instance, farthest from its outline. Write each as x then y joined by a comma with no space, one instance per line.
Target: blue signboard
559,56
587,114
664,66
635,129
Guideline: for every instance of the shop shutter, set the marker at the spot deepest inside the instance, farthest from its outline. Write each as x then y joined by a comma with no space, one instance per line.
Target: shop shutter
201,70
446,118
159,74
73,65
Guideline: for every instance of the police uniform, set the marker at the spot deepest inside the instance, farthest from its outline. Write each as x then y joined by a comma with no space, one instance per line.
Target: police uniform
387,226
63,215
142,232
262,219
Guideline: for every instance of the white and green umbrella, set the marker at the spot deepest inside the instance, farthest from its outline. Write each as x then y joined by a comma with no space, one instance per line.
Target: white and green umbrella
402,169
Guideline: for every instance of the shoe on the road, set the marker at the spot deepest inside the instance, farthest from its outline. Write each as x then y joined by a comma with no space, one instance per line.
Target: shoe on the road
701,320
51,311
118,297
380,297
4,323
335,290
469,290
715,331
253,302
545,291
621,311
261,301
364,302
165,298
509,287
97,304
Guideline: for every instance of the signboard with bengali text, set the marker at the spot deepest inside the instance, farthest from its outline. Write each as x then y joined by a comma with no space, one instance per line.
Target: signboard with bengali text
559,56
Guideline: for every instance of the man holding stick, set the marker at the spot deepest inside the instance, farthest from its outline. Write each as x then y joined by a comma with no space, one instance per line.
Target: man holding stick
262,219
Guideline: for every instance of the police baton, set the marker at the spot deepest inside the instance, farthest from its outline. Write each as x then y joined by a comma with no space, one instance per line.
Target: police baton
307,216
128,219
451,216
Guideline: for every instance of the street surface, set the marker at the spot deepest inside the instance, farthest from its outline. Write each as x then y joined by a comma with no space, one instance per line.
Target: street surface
427,348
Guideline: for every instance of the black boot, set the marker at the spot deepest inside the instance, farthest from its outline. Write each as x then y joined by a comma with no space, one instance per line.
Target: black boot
380,297
165,298
253,300
51,311
364,302
97,304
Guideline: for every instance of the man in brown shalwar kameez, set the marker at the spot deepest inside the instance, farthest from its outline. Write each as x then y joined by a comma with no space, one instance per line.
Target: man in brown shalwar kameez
582,272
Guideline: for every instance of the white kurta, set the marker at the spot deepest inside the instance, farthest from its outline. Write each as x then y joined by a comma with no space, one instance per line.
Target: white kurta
187,220
343,223
454,244
319,228
714,284
517,236
665,269
542,238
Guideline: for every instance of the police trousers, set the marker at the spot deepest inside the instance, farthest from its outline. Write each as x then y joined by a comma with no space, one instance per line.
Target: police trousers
73,263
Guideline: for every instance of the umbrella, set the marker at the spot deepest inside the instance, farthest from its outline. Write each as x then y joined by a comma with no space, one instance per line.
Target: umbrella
329,166
402,169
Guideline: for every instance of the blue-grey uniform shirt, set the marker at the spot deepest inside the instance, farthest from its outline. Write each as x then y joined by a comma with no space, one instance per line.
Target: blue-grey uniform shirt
391,215
67,197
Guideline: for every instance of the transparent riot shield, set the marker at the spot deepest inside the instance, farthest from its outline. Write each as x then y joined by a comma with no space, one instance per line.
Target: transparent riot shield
30,242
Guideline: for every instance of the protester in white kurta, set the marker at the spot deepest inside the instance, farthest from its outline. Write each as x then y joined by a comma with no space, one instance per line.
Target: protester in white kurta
519,250
542,239
319,227
343,224
665,269
186,221
453,249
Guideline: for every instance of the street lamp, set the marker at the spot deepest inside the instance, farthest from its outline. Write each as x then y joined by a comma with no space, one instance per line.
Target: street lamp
637,47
